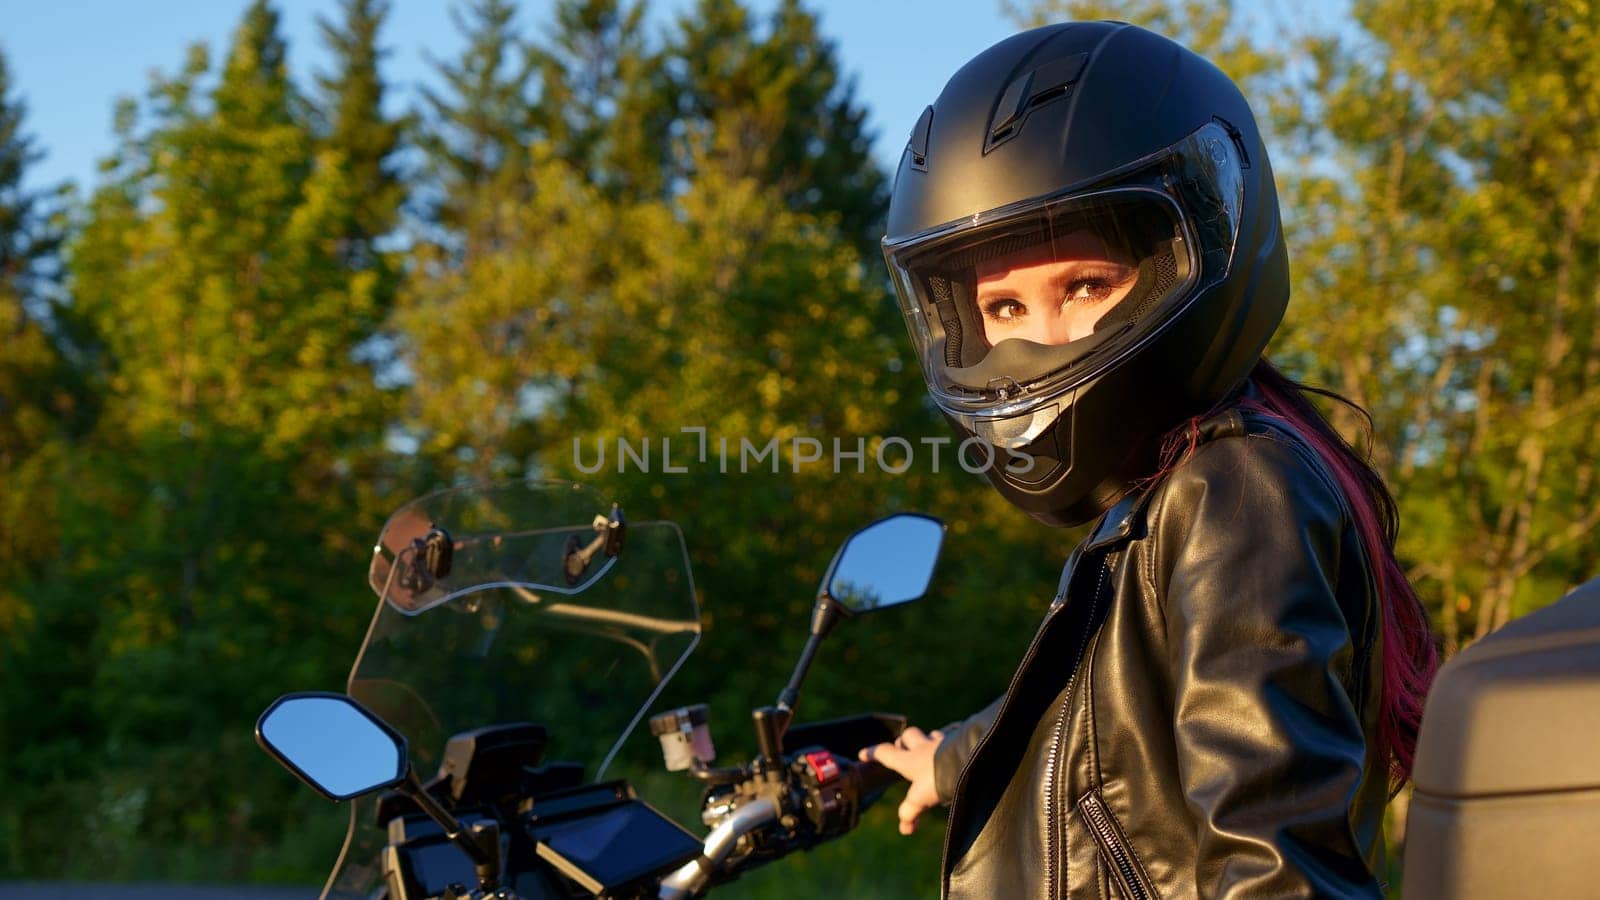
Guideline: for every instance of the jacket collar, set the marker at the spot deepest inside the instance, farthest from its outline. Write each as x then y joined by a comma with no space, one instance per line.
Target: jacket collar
1121,521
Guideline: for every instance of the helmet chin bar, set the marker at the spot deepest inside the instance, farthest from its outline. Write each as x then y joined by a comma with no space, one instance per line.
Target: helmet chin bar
1019,359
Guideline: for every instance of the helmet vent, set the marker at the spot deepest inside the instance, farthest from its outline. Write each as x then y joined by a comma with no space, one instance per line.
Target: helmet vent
1028,92
917,146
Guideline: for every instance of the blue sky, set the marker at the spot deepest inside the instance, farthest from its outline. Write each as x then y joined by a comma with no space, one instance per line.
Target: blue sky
70,60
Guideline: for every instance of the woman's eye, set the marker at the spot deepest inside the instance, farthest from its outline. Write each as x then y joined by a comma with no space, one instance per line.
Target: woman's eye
1089,290
1005,310
1097,287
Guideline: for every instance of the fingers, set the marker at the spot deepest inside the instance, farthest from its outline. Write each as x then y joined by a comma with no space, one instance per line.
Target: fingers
904,763
909,740
888,756
911,756
920,797
899,760
912,738
908,812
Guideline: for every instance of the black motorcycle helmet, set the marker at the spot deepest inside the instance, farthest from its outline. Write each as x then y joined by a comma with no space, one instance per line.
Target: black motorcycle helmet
1129,171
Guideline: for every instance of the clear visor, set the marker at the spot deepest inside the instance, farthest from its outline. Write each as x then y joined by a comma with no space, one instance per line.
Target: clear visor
1010,309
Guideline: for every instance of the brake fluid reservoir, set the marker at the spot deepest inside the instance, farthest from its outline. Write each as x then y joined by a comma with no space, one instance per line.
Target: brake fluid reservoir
685,735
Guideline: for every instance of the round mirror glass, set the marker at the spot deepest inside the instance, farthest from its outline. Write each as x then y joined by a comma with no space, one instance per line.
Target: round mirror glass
333,745
888,562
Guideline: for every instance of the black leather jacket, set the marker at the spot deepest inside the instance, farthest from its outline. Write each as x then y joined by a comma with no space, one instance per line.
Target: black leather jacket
1211,737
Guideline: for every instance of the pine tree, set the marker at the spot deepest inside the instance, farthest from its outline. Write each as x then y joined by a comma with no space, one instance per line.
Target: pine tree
42,407
475,134
28,241
462,316
776,107
35,379
1215,30
602,103
366,139
360,146
213,266
44,403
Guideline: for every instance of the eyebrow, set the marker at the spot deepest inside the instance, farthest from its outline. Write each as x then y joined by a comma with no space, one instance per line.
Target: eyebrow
1072,272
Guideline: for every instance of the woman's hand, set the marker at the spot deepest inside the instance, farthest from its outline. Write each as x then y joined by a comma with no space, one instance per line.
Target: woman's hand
911,755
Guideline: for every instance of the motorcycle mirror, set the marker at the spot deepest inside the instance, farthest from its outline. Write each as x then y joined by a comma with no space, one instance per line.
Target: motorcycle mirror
332,743
886,563
343,750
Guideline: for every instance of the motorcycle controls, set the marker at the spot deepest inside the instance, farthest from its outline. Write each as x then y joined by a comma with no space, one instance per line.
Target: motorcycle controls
685,735
493,799
492,763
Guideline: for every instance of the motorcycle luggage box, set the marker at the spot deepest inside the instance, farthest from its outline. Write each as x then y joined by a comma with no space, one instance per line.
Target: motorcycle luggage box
1507,773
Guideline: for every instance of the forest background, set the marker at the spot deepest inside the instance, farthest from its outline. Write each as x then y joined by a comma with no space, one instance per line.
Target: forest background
279,312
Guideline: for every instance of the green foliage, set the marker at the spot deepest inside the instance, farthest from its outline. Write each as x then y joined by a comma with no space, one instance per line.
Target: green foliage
773,106
1436,166
610,236
357,128
1211,29
1458,233
37,396
205,549
473,134
43,408
603,310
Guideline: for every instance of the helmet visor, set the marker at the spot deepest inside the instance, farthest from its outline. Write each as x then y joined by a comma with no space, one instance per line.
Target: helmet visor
1011,308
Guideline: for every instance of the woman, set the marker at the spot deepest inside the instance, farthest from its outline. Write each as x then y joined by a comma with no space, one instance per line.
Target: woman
1085,239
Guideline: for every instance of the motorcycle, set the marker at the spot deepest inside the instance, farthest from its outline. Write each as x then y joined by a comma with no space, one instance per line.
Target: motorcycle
522,632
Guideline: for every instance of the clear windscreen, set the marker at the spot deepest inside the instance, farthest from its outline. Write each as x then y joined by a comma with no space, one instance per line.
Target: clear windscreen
530,619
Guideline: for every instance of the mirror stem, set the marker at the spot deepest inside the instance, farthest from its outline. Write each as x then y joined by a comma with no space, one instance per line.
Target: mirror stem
789,697
824,616
770,724
485,859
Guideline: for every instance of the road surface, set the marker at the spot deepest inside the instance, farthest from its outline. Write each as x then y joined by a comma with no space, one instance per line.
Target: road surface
15,890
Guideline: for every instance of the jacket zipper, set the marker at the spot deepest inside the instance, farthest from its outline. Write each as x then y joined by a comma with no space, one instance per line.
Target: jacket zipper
1052,827
1027,660
1050,790
1099,822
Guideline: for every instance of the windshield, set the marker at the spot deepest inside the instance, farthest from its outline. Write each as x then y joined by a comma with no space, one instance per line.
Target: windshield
522,602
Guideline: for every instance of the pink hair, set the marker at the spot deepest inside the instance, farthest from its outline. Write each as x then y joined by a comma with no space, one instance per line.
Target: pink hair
1410,657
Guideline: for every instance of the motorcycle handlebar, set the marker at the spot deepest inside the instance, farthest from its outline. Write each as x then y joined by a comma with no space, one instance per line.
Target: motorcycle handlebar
693,876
